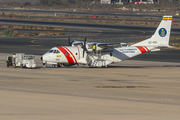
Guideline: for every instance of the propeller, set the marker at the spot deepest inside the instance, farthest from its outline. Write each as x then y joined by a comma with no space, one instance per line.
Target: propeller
69,41
84,46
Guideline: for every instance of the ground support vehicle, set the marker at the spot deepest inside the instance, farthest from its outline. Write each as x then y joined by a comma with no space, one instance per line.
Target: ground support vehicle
21,60
9,61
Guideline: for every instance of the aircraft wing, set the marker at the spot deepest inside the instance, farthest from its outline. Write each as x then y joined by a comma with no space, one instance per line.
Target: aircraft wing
100,46
110,45
75,43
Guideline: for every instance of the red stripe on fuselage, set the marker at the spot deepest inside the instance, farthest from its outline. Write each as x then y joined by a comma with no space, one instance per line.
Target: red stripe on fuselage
141,49
146,48
66,54
71,54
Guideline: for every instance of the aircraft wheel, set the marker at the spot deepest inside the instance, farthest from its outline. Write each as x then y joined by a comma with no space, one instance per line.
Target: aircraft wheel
21,65
59,65
55,66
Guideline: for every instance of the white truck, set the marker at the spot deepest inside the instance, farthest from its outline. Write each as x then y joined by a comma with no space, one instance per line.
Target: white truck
22,60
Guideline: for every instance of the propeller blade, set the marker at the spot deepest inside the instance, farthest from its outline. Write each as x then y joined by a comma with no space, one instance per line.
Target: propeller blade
84,47
69,41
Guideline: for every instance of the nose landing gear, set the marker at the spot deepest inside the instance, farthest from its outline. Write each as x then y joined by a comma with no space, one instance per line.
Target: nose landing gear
57,65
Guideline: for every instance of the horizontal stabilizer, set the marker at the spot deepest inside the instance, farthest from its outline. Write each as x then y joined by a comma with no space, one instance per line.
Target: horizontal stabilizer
154,50
165,46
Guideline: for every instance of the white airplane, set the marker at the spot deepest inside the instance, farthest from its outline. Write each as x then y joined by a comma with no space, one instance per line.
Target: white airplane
106,53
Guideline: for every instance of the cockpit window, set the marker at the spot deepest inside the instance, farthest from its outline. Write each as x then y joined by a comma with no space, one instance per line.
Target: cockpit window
54,51
57,51
50,51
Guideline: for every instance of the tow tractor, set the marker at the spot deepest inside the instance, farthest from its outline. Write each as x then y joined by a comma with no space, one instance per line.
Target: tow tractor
21,60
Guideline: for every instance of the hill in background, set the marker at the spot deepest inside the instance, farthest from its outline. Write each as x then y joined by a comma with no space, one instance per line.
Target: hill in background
20,1
91,5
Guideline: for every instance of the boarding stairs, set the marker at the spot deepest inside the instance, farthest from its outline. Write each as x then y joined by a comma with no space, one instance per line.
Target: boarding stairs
96,60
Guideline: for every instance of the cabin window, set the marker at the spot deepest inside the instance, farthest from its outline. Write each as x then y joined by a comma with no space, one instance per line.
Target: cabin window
76,53
66,53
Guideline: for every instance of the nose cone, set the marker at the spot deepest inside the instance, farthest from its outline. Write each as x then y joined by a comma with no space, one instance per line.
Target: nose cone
44,58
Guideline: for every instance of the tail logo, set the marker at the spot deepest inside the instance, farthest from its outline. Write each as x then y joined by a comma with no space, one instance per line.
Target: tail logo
162,32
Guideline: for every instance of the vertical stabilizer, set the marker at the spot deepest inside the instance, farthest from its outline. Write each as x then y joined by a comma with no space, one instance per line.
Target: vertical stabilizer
161,35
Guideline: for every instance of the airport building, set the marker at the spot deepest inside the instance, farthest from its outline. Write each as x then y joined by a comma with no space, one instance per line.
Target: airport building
129,1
